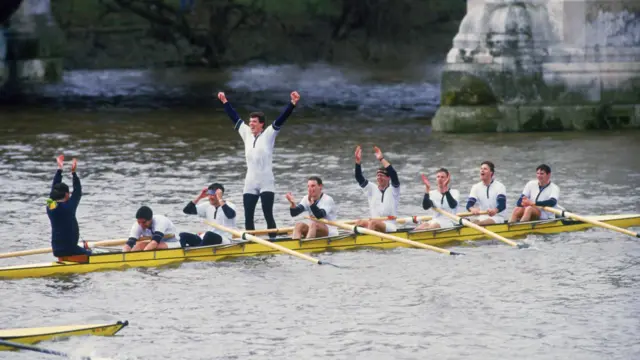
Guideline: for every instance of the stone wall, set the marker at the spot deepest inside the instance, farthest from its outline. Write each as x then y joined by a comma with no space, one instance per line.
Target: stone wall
543,65
34,45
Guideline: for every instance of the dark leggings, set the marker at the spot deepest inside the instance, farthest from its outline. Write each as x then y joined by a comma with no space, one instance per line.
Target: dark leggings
209,238
250,201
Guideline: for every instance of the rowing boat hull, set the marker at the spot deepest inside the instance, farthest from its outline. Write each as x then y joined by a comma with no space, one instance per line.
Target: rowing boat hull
440,237
30,336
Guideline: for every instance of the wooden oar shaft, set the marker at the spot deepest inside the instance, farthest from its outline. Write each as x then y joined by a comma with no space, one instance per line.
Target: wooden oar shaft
25,253
124,241
417,219
91,244
247,236
20,346
362,230
468,223
404,220
590,221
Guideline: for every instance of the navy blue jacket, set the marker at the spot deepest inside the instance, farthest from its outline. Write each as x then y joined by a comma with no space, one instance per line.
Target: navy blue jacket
65,232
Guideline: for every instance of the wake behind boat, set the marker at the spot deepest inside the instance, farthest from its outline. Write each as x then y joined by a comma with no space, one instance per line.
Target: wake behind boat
434,237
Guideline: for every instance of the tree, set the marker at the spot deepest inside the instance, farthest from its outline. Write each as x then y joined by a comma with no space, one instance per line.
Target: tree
212,35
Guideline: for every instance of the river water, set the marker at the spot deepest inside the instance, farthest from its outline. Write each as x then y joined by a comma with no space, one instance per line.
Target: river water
572,295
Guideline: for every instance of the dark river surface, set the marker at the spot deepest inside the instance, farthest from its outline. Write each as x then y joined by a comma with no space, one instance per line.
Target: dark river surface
572,295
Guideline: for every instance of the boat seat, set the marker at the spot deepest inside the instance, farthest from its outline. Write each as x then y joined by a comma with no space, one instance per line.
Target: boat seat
74,258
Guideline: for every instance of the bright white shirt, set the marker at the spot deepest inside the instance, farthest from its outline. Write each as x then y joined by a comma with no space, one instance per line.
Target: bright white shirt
327,204
440,201
382,203
209,212
159,223
258,150
487,196
532,191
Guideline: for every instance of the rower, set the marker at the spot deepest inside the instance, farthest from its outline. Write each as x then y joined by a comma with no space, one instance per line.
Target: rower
216,210
259,142
543,192
379,204
317,204
61,210
488,195
155,226
442,198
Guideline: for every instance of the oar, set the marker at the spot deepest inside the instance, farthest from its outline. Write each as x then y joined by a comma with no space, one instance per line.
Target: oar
115,242
468,223
362,230
414,219
247,236
37,349
417,219
564,213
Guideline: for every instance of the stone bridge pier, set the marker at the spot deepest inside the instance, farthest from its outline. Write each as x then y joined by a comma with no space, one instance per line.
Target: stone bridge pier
527,65
31,45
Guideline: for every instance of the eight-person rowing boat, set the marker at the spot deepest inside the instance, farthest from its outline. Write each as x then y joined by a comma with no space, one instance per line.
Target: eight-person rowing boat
537,211
347,241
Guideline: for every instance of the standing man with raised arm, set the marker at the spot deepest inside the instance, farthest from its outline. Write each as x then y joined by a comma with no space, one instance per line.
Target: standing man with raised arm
259,142
61,210
381,201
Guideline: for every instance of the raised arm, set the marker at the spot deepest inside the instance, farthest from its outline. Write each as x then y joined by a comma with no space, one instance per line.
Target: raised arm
57,178
451,199
426,201
359,177
277,124
231,112
228,210
294,209
317,211
191,208
395,181
77,187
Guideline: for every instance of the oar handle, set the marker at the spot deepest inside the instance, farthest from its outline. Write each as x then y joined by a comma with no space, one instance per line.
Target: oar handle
246,236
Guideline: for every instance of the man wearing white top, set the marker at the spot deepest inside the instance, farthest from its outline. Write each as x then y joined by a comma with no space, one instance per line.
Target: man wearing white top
442,198
318,205
155,226
383,199
488,195
259,142
539,192
216,210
